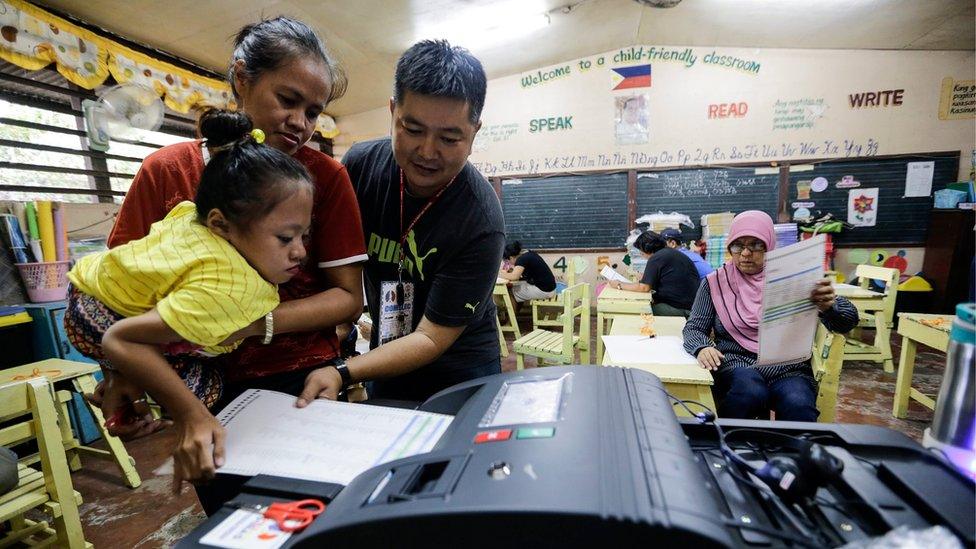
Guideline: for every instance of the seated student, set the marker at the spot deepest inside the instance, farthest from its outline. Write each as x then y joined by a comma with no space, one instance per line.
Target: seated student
669,273
728,305
673,239
533,278
152,308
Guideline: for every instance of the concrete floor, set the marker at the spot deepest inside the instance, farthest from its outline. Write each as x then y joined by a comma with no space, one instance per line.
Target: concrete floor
151,516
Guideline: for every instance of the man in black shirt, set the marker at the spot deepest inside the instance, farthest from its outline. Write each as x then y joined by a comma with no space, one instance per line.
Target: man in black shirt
669,273
531,276
434,234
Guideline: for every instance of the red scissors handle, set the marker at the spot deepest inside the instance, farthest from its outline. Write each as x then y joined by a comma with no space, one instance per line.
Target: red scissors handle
294,515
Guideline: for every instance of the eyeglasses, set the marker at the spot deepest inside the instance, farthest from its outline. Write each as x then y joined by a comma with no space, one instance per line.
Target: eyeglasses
757,246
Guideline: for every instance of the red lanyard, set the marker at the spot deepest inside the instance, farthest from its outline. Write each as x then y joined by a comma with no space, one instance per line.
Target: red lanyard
404,233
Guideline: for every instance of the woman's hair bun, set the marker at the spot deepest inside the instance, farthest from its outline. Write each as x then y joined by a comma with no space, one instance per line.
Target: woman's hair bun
220,127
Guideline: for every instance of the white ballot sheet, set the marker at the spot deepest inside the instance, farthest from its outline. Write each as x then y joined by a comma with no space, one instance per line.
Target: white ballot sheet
327,441
609,273
629,349
789,318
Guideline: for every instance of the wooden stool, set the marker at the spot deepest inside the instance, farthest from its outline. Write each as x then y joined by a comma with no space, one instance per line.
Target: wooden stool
81,376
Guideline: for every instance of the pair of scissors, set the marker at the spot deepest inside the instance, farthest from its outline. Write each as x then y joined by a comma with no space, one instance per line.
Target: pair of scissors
290,516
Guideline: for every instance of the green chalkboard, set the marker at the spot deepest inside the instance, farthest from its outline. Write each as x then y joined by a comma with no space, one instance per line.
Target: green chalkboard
567,211
900,220
697,192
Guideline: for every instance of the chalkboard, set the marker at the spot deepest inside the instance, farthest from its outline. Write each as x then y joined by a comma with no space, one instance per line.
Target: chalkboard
900,220
571,211
703,191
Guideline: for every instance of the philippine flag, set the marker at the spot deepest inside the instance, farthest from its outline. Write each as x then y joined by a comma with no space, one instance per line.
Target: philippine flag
638,76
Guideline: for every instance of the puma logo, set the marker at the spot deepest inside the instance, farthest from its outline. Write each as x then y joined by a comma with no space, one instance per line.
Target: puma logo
417,258
472,307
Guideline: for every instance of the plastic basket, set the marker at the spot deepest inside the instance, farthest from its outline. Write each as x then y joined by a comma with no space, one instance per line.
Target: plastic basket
949,198
45,281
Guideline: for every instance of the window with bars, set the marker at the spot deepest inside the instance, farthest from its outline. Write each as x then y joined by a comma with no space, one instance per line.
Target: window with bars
43,148
42,152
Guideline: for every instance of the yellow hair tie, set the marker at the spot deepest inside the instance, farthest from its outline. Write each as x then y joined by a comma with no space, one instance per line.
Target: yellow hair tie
257,135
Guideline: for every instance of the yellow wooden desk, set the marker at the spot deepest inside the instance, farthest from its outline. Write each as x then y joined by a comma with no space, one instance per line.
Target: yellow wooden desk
81,376
663,325
868,301
684,381
912,333
504,300
613,303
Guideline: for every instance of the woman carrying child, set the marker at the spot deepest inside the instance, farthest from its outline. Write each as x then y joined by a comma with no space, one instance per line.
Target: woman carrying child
148,308
283,78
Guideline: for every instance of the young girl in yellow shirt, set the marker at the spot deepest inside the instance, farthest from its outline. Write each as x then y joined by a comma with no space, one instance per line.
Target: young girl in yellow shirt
148,310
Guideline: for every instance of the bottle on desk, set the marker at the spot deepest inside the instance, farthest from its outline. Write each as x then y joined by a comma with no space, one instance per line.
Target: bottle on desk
953,429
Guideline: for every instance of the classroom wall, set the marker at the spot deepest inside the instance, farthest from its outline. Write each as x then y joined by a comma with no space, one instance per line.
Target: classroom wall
788,105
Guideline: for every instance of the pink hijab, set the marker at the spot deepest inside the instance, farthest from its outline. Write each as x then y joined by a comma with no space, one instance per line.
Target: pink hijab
738,296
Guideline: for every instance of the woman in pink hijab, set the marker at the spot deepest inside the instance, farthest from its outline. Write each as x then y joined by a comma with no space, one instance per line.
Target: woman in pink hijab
723,330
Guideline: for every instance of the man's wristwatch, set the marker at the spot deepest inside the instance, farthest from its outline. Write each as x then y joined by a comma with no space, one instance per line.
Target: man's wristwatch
340,366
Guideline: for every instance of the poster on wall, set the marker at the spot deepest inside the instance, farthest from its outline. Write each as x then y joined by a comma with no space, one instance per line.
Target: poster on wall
632,119
862,207
956,102
918,178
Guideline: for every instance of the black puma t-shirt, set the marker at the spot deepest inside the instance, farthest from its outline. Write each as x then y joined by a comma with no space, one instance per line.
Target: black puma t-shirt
452,258
535,271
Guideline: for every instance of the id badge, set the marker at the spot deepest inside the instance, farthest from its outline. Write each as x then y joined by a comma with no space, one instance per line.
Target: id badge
396,310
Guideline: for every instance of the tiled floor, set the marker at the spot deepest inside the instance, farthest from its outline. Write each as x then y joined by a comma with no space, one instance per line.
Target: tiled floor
151,516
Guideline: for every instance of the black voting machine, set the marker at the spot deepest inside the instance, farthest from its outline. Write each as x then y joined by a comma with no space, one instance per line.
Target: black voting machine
608,463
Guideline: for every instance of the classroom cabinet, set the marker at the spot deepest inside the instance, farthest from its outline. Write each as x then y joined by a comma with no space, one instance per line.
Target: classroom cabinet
949,257
49,338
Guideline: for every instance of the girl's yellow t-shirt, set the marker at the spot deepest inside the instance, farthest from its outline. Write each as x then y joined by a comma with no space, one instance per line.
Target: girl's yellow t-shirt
198,282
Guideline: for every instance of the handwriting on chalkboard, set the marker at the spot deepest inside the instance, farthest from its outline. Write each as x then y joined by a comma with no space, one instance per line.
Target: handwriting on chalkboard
704,184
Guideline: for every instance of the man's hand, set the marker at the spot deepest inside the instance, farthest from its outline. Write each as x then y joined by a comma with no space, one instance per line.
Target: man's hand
321,383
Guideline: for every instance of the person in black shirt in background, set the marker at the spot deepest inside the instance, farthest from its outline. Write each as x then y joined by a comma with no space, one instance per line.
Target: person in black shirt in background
671,275
533,278
434,237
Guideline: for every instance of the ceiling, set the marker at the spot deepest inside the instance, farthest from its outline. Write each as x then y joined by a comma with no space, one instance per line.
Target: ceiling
369,35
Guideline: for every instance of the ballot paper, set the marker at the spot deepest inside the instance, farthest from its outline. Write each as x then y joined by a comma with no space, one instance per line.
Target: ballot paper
327,441
789,318
609,273
630,349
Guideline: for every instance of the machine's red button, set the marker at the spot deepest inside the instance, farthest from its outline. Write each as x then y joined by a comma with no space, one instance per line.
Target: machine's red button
492,436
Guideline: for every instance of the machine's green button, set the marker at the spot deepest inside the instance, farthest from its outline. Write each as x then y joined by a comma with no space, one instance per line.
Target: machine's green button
535,432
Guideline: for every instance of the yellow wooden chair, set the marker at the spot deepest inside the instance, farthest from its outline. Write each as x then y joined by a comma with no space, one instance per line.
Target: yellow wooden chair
81,377
827,362
503,303
48,488
561,347
547,312
890,279
875,314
